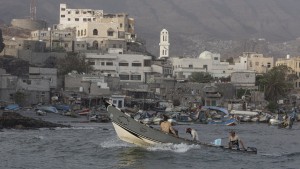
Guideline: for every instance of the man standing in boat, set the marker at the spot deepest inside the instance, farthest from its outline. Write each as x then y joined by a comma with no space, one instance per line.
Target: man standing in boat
235,141
166,126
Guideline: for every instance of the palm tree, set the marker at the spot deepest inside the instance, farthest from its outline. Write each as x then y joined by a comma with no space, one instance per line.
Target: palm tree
277,82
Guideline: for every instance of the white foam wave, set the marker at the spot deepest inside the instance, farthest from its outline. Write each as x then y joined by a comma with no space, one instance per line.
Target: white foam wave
74,128
178,148
115,143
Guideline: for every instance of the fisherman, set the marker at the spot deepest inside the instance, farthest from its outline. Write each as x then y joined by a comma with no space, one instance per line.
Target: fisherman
234,141
166,126
193,133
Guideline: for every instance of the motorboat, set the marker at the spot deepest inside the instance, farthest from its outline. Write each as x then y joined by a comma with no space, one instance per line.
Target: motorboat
132,131
275,120
226,122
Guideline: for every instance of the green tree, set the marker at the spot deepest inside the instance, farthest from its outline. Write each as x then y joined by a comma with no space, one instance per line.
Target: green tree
19,97
277,82
200,77
73,61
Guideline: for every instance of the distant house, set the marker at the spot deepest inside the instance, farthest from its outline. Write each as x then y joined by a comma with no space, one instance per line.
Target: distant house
8,85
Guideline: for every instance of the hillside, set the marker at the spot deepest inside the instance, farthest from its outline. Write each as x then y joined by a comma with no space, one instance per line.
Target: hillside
194,25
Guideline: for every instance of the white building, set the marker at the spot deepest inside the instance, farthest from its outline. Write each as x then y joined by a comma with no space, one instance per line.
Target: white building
97,28
164,44
129,67
207,62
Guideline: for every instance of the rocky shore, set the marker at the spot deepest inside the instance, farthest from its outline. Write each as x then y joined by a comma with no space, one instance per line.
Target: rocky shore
9,119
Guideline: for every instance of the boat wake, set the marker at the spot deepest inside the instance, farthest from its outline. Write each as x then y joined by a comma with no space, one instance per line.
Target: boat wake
178,148
115,143
294,154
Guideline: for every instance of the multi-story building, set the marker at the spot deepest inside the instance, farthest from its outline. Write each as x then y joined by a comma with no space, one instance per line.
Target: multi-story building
8,84
56,39
129,67
258,62
98,29
294,64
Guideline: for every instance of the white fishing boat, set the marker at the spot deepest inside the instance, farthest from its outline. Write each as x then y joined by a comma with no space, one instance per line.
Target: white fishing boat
132,131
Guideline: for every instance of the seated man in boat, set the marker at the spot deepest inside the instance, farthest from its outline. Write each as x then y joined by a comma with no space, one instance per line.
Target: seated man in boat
166,126
193,133
235,141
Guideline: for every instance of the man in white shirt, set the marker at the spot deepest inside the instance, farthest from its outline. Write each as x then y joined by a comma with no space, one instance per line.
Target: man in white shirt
193,133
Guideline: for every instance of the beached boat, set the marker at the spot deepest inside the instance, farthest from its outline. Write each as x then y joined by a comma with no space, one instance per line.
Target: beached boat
132,131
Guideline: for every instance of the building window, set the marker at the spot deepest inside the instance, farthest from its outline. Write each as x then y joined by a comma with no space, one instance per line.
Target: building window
69,12
123,64
95,32
114,45
77,12
109,63
147,63
95,44
137,64
216,58
121,25
269,65
89,19
110,33
250,64
69,19
92,63
76,19
136,77
84,20
124,77
62,16
120,46
102,63
63,9
190,66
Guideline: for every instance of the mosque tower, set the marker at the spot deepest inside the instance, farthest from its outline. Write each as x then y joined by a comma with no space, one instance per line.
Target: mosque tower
164,44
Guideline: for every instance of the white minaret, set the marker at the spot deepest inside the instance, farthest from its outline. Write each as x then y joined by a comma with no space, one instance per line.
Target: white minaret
164,44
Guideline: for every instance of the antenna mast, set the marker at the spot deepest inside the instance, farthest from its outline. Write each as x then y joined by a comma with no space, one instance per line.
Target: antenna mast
33,9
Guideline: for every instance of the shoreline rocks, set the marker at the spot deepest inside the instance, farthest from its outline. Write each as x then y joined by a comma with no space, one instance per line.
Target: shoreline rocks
13,120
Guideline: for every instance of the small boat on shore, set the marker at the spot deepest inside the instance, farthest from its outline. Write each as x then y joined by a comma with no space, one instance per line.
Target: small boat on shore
132,131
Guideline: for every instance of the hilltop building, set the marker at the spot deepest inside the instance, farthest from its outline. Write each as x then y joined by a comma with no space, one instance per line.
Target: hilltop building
99,30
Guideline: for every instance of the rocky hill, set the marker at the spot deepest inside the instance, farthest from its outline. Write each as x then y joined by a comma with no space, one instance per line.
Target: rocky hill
194,25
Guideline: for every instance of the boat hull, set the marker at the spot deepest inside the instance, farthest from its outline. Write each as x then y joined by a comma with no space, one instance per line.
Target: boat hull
132,131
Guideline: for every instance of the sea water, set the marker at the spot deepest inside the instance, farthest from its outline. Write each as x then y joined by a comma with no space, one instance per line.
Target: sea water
96,146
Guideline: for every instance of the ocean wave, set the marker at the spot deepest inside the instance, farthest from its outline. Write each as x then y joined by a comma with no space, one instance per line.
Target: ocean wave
178,148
